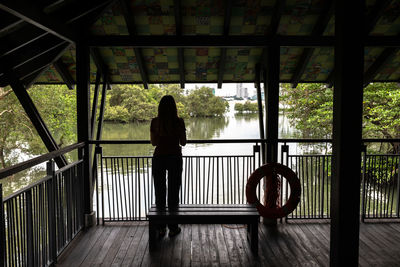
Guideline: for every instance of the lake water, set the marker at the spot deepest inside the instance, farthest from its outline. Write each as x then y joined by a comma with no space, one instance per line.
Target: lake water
231,126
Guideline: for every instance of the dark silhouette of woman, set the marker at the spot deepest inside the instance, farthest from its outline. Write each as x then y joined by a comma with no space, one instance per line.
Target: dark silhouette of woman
168,133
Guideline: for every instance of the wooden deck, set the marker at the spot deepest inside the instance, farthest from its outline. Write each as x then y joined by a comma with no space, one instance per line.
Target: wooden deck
289,244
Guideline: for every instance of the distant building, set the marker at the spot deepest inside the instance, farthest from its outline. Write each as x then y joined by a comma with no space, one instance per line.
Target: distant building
241,92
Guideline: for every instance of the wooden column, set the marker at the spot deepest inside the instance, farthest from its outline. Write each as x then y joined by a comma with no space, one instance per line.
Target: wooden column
83,117
347,126
260,110
271,94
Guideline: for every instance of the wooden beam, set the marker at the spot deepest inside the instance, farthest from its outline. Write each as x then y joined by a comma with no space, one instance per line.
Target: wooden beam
130,23
370,22
28,81
39,62
178,27
347,133
375,15
62,69
34,116
271,95
227,24
95,101
318,30
30,13
260,109
232,41
83,119
386,55
99,61
80,9
273,27
276,17
20,38
31,67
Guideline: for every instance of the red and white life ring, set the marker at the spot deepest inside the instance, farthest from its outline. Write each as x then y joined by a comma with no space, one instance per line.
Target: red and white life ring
270,170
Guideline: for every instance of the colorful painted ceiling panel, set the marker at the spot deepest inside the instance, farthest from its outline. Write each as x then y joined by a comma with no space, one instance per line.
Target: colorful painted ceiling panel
320,65
391,69
202,64
240,64
288,61
245,18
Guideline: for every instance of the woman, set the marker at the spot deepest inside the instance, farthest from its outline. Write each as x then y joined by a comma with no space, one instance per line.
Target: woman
167,133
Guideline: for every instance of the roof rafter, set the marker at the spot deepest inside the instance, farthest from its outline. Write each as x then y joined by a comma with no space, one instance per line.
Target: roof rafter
273,26
232,41
227,24
319,29
64,73
30,80
100,64
27,11
33,50
80,9
370,22
378,64
20,38
178,26
130,22
38,63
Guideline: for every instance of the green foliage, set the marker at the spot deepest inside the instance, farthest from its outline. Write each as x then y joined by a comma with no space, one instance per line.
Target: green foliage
246,107
201,102
57,107
310,109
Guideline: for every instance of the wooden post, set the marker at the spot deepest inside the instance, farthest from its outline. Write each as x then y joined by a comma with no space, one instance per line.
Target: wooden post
260,110
83,117
347,126
271,95
2,231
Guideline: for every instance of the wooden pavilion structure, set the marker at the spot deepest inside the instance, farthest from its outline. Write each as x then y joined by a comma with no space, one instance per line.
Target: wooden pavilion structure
345,44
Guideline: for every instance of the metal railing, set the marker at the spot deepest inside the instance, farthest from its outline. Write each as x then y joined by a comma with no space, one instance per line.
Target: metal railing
125,184
40,220
125,187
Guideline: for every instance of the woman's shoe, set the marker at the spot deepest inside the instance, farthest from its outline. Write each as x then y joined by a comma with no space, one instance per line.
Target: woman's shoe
161,233
174,232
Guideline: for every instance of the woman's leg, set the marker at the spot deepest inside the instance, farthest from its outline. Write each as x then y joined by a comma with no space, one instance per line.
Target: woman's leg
174,184
159,176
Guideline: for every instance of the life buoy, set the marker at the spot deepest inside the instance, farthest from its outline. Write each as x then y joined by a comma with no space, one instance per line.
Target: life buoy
269,170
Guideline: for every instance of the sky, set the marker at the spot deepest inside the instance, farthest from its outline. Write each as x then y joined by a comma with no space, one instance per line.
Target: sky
228,89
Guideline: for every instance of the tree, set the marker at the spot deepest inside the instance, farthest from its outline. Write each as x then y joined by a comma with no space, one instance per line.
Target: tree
57,106
310,109
201,102
247,107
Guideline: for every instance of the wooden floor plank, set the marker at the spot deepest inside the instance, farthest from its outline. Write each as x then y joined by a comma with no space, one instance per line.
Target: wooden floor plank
288,244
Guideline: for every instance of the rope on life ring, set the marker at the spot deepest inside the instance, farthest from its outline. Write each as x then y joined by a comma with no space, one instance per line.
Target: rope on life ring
270,170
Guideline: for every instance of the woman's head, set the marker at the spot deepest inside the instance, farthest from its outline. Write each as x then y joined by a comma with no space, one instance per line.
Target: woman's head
167,108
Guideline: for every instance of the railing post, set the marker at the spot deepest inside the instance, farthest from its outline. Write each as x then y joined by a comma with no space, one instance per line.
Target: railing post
2,231
29,228
398,187
364,164
52,213
99,154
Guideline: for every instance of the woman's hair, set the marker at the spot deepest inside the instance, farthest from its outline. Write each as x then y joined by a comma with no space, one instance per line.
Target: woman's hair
168,114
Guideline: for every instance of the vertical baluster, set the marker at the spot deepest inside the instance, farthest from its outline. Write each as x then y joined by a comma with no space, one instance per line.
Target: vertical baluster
3,260
51,211
29,228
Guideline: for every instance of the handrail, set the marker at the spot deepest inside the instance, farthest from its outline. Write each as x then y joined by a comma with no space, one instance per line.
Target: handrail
35,161
212,141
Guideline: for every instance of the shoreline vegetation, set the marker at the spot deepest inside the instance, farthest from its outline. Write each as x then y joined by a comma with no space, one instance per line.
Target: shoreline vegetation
308,108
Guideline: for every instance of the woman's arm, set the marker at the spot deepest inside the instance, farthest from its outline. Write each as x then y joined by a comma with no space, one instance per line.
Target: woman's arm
182,133
153,133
